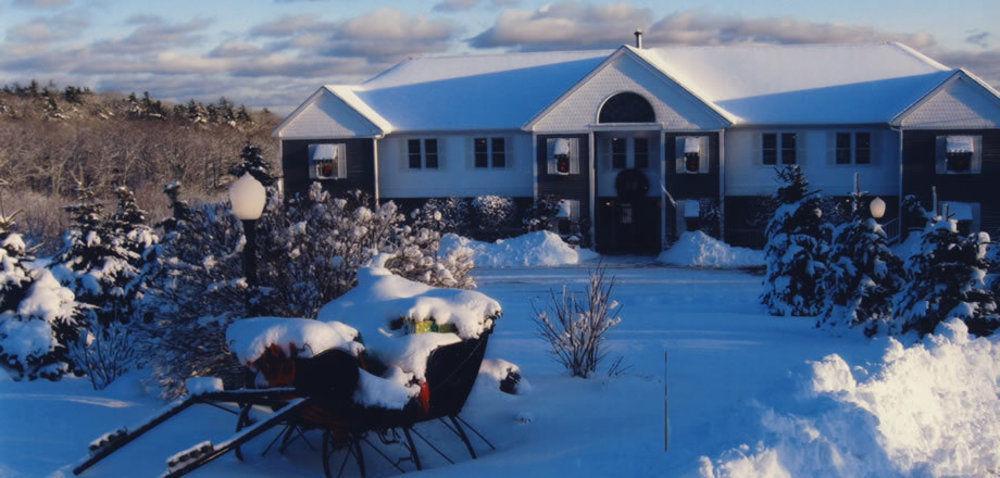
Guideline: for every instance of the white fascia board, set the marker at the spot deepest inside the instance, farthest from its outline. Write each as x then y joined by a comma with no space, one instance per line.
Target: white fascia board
346,96
276,132
958,74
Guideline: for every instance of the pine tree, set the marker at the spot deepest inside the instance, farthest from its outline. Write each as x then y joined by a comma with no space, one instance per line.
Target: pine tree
38,317
863,274
136,238
947,279
797,244
252,161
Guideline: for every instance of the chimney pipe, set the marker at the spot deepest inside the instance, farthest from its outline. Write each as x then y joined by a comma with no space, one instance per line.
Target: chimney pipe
638,38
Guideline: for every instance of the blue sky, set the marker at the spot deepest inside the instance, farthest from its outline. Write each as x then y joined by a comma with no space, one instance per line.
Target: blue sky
275,52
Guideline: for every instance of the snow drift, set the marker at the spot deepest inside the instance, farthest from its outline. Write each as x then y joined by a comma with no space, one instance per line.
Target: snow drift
697,249
540,248
932,409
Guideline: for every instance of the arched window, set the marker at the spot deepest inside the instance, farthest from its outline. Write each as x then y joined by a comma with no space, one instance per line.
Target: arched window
627,108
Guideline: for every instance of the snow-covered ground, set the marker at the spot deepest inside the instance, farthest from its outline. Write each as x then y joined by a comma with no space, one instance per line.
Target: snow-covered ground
697,249
732,376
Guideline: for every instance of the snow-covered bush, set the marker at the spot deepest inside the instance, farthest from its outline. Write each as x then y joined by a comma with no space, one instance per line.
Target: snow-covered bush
105,353
493,216
38,316
575,328
796,249
863,274
947,279
456,214
540,215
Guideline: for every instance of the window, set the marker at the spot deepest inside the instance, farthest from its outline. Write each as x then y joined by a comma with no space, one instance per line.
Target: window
490,152
431,153
863,148
769,148
691,153
843,148
619,153
413,153
563,156
499,152
327,161
958,153
422,153
626,107
788,148
481,152
641,146
853,148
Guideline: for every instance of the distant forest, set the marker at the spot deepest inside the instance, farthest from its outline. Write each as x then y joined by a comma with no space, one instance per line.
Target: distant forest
53,139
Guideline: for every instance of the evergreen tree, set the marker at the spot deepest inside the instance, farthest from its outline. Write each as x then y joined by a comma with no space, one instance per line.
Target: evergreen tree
38,317
863,274
252,161
947,279
94,263
797,244
136,238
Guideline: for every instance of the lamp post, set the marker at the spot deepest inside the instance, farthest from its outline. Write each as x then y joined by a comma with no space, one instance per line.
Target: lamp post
247,197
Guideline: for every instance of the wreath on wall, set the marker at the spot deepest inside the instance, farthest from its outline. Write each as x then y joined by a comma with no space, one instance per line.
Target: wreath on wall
631,185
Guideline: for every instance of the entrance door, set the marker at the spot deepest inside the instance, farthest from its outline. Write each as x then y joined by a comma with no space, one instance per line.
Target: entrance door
628,227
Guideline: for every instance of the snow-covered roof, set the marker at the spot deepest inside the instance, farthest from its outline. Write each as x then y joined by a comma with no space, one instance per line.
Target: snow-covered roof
803,84
748,84
496,91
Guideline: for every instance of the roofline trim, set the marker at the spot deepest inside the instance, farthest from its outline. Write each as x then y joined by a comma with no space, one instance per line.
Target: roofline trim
276,132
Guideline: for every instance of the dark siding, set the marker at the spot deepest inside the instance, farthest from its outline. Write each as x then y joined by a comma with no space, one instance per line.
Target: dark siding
919,151
360,166
573,186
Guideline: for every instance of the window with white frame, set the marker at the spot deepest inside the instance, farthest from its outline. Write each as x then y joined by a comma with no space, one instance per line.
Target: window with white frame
691,153
327,161
783,145
563,156
853,148
489,152
422,153
569,209
959,154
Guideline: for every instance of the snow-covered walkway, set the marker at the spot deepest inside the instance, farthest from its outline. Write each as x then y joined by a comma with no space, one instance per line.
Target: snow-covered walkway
698,333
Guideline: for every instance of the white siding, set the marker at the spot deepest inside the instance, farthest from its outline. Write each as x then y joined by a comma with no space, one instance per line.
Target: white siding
456,174
675,108
326,116
746,175
960,103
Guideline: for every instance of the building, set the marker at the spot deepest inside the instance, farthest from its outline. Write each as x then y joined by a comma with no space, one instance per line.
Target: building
643,143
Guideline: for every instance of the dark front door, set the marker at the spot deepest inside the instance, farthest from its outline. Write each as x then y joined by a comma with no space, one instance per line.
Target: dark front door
628,227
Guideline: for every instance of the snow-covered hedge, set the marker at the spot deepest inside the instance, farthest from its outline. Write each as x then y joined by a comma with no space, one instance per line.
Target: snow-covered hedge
540,248
697,249
932,409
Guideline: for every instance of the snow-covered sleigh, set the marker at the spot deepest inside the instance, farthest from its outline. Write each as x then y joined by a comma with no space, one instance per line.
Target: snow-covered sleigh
320,375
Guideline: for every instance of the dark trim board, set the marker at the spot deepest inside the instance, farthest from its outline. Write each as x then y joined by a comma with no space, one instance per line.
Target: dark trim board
919,156
360,166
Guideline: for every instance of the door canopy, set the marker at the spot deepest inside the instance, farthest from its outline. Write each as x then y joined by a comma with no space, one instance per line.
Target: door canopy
626,107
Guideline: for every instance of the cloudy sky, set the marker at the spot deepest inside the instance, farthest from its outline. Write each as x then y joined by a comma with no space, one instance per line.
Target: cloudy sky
274,53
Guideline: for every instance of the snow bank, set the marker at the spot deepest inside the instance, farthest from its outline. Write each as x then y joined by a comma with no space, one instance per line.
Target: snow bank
249,338
541,248
697,249
932,409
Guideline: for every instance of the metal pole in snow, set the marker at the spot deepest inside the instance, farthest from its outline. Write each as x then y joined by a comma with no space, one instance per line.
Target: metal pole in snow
934,201
666,407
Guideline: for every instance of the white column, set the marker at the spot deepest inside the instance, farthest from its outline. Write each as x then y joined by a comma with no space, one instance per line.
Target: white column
592,173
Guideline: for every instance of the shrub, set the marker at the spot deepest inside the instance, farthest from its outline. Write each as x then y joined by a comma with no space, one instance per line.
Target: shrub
575,327
493,216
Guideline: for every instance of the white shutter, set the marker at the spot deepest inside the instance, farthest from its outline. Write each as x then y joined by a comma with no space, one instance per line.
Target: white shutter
574,159
679,155
341,153
940,167
550,156
705,162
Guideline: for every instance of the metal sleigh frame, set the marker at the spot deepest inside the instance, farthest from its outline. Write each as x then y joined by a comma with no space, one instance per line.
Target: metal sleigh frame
452,383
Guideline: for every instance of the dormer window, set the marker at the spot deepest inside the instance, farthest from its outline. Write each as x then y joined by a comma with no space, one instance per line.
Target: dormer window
959,154
327,161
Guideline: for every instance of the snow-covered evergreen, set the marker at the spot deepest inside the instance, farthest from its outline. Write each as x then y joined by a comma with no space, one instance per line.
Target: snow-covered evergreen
796,250
863,273
947,279
252,161
493,216
38,316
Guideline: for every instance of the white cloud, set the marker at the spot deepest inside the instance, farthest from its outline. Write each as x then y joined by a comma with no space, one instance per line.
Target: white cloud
42,3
